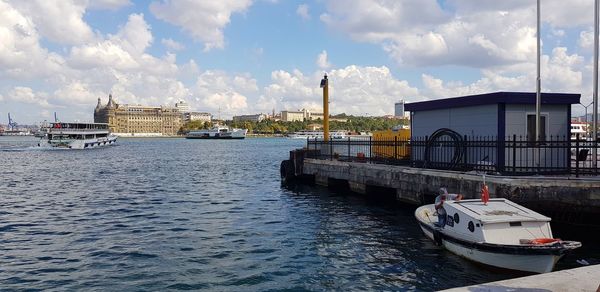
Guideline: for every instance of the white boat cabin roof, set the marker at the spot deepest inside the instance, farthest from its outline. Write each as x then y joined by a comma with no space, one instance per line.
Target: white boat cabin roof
497,210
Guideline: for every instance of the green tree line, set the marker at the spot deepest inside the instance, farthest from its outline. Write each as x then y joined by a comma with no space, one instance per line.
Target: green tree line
352,124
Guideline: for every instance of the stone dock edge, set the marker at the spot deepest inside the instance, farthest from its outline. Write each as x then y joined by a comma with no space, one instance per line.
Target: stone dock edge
577,279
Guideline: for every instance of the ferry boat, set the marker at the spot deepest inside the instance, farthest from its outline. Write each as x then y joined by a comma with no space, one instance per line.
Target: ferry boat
77,136
219,132
307,134
16,132
498,233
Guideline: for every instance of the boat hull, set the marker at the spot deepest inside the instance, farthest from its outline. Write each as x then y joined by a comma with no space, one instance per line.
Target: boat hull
215,137
80,144
519,262
525,257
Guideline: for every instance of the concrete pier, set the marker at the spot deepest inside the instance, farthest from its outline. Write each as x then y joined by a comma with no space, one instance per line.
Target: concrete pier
578,279
565,199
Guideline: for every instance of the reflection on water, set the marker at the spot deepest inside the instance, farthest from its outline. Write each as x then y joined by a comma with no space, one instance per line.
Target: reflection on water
155,214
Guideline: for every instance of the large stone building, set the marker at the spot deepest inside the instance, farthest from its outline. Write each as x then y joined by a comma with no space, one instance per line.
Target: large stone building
197,116
301,115
251,118
138,120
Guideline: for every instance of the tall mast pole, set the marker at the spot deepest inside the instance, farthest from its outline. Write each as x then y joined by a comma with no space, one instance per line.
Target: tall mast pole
595,91
538,95
325,86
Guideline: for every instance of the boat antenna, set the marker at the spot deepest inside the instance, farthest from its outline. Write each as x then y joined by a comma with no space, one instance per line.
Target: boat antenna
55,118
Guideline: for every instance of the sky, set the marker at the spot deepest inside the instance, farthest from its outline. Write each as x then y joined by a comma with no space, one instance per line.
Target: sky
254,56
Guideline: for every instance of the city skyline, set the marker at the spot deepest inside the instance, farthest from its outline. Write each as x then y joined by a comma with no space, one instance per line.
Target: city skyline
261,55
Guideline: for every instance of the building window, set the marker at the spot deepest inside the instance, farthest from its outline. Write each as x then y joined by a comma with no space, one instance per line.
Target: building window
531,127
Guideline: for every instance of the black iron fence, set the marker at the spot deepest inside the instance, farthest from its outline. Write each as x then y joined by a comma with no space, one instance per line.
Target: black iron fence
515,155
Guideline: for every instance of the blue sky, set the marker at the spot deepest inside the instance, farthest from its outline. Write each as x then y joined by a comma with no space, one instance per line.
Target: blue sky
244,56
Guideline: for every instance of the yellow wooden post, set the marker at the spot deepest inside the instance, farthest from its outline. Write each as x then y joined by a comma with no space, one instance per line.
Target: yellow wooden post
325,86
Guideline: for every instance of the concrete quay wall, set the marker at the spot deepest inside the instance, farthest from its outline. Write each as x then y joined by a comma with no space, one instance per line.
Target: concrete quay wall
564,198
578,279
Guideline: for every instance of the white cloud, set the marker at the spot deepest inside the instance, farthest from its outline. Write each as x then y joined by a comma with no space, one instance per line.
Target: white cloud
586,39
58,20
172,45
302,11
124,51
76,93
561,72
216,90
480,34
322,61
109,4
27,95
203,20
21,55
353,90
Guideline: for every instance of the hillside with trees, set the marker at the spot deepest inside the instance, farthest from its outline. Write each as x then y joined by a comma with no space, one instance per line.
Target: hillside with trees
352,124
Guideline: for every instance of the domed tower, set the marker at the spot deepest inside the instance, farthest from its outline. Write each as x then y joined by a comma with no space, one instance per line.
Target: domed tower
98,105
98,112
111,103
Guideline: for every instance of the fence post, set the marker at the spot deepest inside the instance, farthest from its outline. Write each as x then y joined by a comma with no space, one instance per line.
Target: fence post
576,155
330,148
348,148
370,149
514,162
500,153
395,148
464,146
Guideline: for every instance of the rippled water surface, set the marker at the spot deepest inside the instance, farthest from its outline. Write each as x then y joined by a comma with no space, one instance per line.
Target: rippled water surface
159,214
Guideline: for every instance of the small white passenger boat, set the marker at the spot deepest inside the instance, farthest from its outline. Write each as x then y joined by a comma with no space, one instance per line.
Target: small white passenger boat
306,134
77,136
500,233
218,132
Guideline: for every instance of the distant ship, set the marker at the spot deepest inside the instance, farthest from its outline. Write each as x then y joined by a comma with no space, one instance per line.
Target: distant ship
77,136
16,132
218,132
305,134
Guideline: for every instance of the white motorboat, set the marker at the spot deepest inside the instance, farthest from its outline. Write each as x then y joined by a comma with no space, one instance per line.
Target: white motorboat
218,132
77,136
500,233
305,134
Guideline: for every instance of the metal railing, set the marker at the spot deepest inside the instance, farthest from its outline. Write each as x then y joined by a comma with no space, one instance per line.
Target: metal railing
515,155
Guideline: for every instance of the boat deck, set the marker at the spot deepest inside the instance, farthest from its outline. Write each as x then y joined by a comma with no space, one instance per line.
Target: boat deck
497,210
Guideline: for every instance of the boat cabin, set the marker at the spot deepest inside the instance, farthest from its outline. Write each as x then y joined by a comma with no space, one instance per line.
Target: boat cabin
500,222
79,126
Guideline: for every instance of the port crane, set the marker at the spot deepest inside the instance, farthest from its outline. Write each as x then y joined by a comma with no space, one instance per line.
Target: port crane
12,125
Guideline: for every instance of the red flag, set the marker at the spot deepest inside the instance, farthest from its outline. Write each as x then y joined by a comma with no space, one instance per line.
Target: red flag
485,194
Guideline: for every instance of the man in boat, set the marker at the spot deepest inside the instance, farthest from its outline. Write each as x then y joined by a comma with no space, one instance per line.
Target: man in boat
439,204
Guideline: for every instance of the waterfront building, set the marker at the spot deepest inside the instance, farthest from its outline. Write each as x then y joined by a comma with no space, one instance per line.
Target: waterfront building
138,120
292,116
399,109
300,115
503,116
197,116
183,107
251,118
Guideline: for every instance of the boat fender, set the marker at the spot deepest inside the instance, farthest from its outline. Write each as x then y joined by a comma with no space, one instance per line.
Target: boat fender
286,170
545,240
437,237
